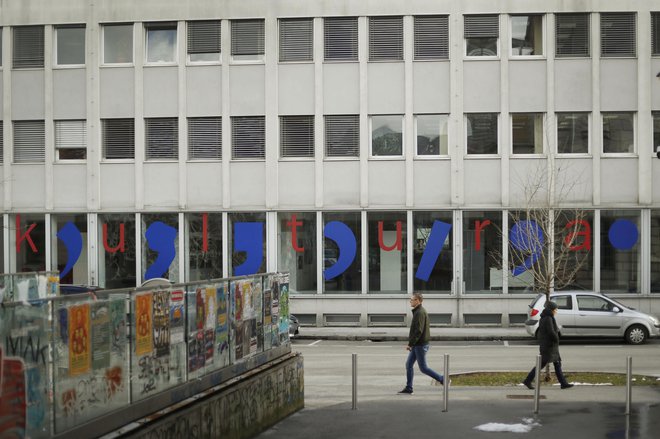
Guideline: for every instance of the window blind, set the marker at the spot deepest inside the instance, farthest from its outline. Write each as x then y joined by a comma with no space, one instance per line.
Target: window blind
247,37
29,141
342,136
70,134
296,39
204,36
205,138
297,136
118,138
340,39
385,38
618,34
655,33
431,37
248,136
28,47
161,138
482,26
2,142
572,35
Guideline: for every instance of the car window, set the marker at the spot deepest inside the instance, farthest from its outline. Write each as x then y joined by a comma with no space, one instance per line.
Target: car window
563,302
591,303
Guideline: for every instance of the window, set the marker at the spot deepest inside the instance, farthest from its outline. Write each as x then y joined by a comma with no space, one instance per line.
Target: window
28,47
348,224
60,254
655,251
573,133
385,38
296,39
297,136
482,252
620,251
592,303
563,302
204,246
248,137
247,40
161,42
572,35
342,136
656,131
431,134
297,250
655,33
482,135
387,135
204,41
70,47
70,140
431,37
29,141
340,39
481,35
205,138
117,262
527,133
618,132
433,230
527,35
0,47
159,229
387,246
2,148
246,229
618,34
117,43
20,252
161,138
118,138
574,228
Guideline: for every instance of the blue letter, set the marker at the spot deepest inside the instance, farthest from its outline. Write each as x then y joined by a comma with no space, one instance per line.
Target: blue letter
437,238
160,238
248,238
345,239
526,237
72,240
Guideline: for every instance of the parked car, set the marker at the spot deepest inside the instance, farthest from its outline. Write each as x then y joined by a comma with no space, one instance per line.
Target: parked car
294,325
589,314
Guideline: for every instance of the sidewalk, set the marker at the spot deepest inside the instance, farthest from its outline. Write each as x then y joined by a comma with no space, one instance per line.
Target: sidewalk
401,333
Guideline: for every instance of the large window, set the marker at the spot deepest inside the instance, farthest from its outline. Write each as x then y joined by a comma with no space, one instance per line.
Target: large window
342,136
70,45
618,34
527,133
572,133
161,42
386,135
296,39
482,34
204,41
572,35
118,138
117,263
28,47
655,33
204,138
117,43
482,134
656,132
340,39
204,246
161,138
160,246
70,140
2,143
618,132
29,141
248,137
433,255
247,243
296,136
247,40
342,249
431,134
297,250
575,230
70,261
431,37
655,251
27,242
527,35
620,251
385,38
387,246
482,252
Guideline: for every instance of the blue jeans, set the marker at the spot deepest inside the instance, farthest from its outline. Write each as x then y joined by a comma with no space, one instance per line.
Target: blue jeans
418,354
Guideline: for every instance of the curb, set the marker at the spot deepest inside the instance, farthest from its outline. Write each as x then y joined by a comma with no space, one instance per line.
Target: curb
380,338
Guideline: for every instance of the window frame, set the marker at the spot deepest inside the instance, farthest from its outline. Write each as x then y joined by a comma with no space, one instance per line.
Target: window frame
587,15
402,156
497,42
655,34
262,151
104,148
387,22
534,115
103,62
512,53
38,123
589,134
15,42
632,153
302,119
634,36
307,45
56,122
423,39
203,62
440,155
160,26
259,58
354,43
190,133
149,143
355,124
56,64
498,137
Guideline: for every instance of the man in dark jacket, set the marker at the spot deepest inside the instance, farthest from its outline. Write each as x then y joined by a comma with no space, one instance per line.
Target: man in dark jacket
548,346
418,344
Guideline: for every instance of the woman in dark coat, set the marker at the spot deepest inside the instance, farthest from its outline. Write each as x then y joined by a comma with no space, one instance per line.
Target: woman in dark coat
548,346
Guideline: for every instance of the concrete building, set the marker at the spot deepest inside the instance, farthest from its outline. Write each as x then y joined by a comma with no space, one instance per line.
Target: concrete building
201,139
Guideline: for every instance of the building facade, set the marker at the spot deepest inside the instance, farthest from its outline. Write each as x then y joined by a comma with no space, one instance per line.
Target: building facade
368,148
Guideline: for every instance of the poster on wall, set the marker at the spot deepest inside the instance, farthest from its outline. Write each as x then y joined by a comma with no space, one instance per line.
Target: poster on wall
177,330
284,305
118,325
222,326
100,336
79,340
196,355
161,326
143,324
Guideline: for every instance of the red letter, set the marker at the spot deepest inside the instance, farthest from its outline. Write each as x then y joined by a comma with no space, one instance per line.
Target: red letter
294,233
572,236
397,244
119,246
26,235
205,232
478,227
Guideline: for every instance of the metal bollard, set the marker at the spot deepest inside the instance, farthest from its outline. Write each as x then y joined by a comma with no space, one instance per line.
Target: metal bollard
628,384
354,381
445,383
537,387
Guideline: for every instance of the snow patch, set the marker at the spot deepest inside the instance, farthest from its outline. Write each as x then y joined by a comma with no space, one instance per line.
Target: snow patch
525,427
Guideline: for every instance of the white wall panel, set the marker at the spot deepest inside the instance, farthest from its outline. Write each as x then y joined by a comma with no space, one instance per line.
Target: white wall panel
160,91
69,94
432,183
573,85
619,181
483,182
28,187
341,183
576,177
70,186
341,88
431,87
247,90
2,107
385,85
118,186
161,185
204,185
296,181
481,86
387,183
248,185
655,84
618,85
296,89
204,91
117,92
27,99
527,86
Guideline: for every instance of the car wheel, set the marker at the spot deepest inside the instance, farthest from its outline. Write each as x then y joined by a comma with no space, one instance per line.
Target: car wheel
636,334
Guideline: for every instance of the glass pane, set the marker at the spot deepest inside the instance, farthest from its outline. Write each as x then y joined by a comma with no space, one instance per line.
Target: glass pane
70,45
620,251
297,250
527,133
69,248
432,134
204,236
573,133
28,242
160,246
387,252
655,251
386,135
656,129
117,251
342,273
574,229
118,44
482,252
618,133
527,35
247,243
161,45
433,252
201,57
482,133
481,46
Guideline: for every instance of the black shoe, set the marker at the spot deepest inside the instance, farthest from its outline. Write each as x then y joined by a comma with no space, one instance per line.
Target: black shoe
567,386
529,385
405,391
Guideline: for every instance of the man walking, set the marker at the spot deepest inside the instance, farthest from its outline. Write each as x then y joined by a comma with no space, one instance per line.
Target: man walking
418,344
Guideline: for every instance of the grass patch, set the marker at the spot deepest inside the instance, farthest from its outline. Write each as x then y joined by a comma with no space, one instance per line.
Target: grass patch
515,378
